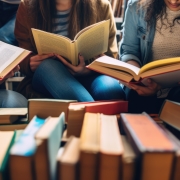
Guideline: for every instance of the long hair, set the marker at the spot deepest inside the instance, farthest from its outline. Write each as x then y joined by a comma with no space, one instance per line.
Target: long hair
83,13
155,9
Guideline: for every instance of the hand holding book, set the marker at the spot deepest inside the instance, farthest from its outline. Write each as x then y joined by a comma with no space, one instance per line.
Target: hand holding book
10,74
150,88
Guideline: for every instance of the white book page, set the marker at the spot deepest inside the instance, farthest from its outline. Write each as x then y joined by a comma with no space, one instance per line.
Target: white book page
8,54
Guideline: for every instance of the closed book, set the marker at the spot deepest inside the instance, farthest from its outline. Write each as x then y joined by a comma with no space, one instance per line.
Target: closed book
21,162
155,151
111,148
169,114
10,115
48,139
68,161
44,108
76,112
128,160
89,147
6,141
176,165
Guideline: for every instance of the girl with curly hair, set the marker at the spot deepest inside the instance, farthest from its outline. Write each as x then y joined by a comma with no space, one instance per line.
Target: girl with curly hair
151,31
51,75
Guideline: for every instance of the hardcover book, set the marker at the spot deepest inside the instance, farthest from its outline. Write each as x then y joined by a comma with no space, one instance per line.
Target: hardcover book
165,72
11,56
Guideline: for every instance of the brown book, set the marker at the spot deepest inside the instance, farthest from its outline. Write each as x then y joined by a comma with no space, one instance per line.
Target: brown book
68,161
89,146
76,112
11,56
176,165
20,124
155,152
21,162
111,148
75,120
44,108
6,140
128,160
48,140
10,115
165,72
170,113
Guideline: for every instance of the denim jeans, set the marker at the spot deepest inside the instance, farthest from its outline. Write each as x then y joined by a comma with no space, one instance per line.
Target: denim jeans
53,78
7,32
11,99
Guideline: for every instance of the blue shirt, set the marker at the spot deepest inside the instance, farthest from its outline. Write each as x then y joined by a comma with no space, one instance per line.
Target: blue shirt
137,38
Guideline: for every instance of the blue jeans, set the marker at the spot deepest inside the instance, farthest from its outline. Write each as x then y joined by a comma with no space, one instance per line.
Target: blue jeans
7,32
11,99
53,78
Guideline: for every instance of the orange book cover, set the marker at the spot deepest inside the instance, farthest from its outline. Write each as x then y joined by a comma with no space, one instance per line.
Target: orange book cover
155,151
105,107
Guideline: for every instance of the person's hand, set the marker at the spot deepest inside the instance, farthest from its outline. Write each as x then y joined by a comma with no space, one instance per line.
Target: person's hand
75,70
150,89
10,74
37,59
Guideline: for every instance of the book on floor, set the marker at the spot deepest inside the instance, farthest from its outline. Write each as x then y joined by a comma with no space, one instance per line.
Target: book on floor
155,151
89,146
11,56
165,72
48,139
10,115
6,141
44,108
169,114
77,110
128,160
111,149
90,42
23,151
68,160
176,141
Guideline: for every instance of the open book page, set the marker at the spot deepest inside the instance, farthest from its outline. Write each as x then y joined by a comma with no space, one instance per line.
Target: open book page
159,63
115,65
14,64
8,54
93,41
52,43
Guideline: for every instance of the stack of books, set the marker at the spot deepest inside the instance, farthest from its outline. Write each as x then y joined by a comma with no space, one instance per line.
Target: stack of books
124,147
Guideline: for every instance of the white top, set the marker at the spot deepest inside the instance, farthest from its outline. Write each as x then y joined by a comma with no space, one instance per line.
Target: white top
167,40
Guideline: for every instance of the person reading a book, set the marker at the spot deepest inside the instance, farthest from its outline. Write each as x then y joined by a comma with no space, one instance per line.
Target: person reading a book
150,32
11,99
49,75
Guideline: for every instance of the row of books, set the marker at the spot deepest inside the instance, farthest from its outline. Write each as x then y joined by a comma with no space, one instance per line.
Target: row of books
132,146
18,118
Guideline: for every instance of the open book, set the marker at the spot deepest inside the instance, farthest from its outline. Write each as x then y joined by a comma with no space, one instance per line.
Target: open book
10,57
90,42
165,72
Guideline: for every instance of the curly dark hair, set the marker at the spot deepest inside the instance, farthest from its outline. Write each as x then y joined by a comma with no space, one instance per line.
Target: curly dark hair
156,9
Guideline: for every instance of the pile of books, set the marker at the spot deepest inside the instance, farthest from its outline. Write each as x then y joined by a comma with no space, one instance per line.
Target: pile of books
104,144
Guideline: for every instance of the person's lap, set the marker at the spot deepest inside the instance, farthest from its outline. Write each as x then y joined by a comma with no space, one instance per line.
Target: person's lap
12,99
54,78
149,104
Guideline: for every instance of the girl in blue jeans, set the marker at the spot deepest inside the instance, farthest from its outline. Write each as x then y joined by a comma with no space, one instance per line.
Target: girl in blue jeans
50,75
